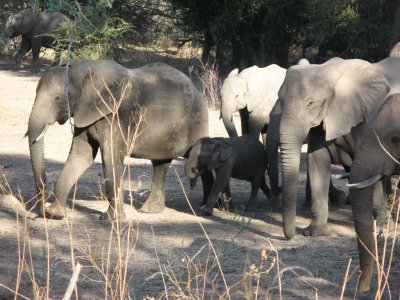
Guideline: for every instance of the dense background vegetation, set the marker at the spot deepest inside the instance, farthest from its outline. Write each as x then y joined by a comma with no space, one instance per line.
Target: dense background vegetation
233,33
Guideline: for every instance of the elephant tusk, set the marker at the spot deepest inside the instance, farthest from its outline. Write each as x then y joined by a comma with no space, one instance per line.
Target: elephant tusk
364,184
340,176
42,133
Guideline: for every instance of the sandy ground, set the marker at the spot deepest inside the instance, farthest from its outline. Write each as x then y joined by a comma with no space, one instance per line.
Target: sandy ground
172,241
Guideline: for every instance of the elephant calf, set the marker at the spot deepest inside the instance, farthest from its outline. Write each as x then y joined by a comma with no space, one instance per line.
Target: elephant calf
238,157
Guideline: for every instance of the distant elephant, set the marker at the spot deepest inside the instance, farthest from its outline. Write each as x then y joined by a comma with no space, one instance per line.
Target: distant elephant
324,102
107,102
33,28
377,157
238,157
253,92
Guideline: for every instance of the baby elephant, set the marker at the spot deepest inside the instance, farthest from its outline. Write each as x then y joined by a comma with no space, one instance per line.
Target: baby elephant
238,157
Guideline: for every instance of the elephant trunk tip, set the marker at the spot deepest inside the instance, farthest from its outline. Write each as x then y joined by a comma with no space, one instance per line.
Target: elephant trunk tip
289,233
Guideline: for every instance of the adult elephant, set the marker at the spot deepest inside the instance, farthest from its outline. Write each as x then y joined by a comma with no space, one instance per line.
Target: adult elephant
152,112
377,157
324,102
253,92
34,29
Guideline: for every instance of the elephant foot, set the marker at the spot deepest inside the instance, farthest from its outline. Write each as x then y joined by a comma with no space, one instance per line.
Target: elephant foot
111,215
317,230
363,285
19,66
251,207
153,205
207,211
55,211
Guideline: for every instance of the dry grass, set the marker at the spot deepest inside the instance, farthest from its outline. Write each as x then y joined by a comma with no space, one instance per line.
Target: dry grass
209,78
197,276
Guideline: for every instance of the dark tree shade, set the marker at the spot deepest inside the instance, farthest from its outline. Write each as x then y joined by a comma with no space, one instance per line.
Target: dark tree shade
244,33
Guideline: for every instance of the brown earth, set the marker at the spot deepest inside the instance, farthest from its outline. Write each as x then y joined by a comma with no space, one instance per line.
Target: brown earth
312,267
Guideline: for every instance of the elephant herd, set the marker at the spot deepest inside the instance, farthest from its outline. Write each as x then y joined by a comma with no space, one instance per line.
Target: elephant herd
346,110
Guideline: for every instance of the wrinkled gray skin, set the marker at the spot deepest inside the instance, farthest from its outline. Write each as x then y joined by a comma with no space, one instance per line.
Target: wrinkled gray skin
336,195
32,28
253,92
371,165
175,117
238,157
324,102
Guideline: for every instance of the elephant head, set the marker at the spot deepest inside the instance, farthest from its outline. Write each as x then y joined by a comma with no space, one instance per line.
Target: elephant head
81,92
21,22
254,88
377,155
337,95
207,154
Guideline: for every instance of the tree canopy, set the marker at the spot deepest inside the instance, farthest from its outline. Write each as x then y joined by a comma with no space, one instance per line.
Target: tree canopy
238,33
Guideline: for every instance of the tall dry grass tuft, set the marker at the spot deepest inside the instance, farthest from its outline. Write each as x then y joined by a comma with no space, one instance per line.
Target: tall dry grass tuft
211,85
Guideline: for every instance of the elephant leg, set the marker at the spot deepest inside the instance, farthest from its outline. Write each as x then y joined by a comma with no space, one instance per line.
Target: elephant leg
378,200
226,199
307,202
81,156
113,168
221,182
36,45
336,196
257,125
272,145
207,180
252,202
24,48
156,201
264,187
319,166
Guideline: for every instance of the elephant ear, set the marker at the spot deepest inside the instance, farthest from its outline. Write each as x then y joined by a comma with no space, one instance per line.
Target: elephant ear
359,91
26,20
220,154
105,84
233,72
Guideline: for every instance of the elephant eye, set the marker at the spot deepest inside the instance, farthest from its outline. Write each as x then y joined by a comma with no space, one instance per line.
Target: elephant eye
395,140
312,105
57,99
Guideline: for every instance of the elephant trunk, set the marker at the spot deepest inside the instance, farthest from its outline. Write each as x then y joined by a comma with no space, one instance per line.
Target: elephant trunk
362,199
189,170
36,130
361,204
227,118
291,140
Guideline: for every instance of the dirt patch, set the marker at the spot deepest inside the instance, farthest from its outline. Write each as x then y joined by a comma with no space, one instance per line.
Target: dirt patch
174,239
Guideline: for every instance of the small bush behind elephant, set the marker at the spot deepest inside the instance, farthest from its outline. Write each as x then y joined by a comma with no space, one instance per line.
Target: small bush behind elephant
238,157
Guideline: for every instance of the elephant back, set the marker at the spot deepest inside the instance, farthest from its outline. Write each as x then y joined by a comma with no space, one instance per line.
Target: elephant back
174,109
49,22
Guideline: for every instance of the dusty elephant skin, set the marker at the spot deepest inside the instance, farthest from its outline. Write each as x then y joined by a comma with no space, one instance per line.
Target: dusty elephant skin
325,102
33,28
376,158
238,157
152,112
